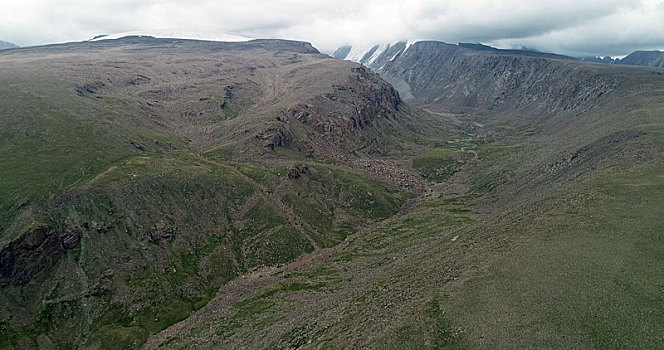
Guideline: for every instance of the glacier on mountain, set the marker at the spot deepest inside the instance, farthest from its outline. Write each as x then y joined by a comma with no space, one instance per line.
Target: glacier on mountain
375,56
178,34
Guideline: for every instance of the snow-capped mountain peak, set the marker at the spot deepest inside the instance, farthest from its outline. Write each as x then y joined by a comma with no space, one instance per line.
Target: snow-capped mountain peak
374,56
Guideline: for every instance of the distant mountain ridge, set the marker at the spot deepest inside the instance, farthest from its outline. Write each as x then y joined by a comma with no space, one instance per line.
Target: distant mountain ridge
598,59
7,45
378,55
652,58
645,58
534,85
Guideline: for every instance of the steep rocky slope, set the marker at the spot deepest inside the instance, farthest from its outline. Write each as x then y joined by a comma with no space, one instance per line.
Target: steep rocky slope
538,87
644,58
141,178
457,76
637,58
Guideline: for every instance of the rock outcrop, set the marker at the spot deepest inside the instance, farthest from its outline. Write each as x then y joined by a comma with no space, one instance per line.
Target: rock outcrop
33,252
348,109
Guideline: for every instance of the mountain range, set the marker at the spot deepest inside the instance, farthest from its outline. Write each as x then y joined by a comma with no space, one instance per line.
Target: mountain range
637,58
175,193
376,55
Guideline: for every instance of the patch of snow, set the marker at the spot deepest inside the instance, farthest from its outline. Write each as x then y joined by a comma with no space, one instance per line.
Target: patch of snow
410,43
179,34
357,52
378,52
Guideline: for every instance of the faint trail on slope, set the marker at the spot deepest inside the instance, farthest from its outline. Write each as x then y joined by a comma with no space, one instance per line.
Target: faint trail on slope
292,218
246,206
476,157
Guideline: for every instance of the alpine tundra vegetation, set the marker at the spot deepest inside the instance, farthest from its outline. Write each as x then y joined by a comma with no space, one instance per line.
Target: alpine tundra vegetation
187,191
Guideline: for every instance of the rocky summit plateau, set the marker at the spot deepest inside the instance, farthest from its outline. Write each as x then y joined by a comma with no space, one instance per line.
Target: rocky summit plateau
170,193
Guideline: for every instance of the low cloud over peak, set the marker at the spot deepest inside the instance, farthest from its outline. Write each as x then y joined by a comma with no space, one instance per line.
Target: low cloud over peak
590,27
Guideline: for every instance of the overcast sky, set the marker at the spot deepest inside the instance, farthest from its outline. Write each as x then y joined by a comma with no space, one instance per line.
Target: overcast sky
574,27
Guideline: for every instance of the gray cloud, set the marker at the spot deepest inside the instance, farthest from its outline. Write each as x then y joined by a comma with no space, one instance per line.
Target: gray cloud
580,27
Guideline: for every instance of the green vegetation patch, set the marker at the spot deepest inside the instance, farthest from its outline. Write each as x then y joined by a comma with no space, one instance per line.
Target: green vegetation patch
258,308
440,163
496,166
336,202
429,329
264,236
589,275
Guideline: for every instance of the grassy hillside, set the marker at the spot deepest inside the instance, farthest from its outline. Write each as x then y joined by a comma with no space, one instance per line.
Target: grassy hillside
261,195
140,179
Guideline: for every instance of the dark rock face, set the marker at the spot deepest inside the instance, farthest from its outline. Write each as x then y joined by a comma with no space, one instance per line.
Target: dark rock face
103,285
342,52
90,88
228,95
342,117
297,171
275,137
33,252
363,100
